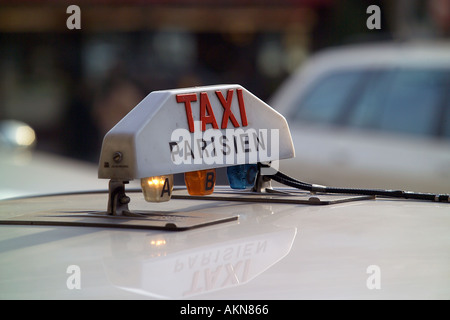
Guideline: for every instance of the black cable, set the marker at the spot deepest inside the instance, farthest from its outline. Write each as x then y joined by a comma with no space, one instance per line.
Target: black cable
286,180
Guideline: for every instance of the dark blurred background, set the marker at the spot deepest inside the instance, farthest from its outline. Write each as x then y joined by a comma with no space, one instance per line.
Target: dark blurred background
72,86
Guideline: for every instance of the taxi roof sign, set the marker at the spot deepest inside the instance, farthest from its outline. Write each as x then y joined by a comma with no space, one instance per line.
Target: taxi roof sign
182,130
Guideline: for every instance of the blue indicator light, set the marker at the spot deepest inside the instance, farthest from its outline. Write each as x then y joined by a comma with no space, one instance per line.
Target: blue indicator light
242,176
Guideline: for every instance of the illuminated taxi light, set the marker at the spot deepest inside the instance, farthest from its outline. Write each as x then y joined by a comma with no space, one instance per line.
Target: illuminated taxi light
25,136
200,183
157,189
242,176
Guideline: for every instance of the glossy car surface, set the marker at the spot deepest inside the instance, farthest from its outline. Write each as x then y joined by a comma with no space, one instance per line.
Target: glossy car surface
365,249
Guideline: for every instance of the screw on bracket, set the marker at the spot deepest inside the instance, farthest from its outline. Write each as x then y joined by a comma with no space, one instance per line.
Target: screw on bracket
117,156
124,199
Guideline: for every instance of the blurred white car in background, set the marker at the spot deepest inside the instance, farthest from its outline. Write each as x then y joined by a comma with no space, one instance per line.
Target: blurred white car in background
373,116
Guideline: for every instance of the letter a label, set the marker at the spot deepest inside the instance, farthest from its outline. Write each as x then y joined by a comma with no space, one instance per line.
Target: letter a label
74,20
374,20
374,280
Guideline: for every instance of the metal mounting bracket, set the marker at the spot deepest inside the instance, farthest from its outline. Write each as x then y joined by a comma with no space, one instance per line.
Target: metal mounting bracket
118,200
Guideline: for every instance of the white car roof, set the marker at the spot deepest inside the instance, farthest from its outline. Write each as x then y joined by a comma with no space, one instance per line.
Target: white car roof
364,249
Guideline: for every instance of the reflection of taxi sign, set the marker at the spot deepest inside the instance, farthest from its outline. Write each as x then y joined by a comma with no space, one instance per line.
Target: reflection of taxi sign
194,130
